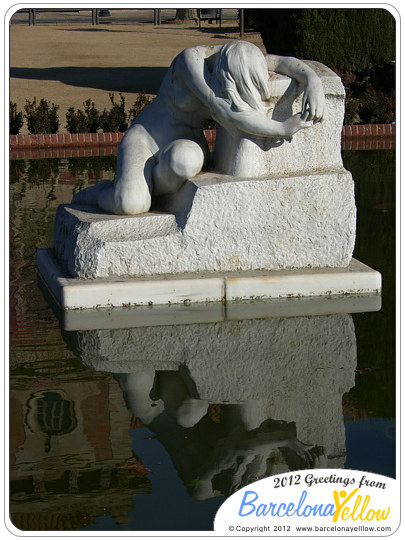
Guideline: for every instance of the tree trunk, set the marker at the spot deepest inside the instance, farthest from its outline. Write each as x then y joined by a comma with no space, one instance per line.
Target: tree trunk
186,14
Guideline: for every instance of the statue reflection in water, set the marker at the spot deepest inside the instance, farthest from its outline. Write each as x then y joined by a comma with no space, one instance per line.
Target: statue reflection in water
216,449
234,401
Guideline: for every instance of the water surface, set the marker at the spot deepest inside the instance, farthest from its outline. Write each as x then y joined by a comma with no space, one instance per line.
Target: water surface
123,424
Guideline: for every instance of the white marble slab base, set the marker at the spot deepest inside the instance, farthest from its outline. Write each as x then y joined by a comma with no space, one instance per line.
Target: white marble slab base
77,293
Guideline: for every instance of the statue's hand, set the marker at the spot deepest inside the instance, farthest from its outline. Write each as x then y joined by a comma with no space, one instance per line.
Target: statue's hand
313,100
295,123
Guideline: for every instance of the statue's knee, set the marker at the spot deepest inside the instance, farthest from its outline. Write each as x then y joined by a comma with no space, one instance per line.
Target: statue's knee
187,159
183,158
178,162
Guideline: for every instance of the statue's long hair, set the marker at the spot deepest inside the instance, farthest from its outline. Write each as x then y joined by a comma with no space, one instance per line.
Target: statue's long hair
242,73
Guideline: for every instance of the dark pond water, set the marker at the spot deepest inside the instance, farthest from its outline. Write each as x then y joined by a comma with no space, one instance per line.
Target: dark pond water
124,426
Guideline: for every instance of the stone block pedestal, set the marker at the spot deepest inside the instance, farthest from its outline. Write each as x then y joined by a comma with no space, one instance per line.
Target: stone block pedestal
221,239
218,224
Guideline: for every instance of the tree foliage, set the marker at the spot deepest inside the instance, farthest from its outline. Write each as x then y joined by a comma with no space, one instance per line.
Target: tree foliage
16,119
41,117
351,39
86,121
141,102
357,43
91,120
114,120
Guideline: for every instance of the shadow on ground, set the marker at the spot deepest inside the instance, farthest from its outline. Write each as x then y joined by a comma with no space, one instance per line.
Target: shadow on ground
94,30
112,79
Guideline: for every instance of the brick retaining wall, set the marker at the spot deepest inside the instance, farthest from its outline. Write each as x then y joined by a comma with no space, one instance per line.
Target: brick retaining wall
70,140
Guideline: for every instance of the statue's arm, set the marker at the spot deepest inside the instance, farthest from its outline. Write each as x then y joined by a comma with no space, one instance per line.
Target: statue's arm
255,123
192,68
314,97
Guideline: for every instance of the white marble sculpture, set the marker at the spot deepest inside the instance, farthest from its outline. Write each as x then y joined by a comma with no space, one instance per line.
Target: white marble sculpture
165,145
272,196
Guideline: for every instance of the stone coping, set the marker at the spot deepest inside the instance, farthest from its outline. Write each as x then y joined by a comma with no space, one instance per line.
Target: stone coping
68,140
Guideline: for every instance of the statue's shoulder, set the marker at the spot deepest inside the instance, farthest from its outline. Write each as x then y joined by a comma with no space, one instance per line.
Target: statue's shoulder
199,51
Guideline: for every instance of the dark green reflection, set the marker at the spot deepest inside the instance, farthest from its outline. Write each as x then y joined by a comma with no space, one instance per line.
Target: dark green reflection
374,176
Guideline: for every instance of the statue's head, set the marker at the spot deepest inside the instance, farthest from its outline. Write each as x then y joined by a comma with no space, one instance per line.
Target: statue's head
242,72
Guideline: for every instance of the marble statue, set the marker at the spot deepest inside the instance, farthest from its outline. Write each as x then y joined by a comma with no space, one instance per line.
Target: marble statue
165,145
272,195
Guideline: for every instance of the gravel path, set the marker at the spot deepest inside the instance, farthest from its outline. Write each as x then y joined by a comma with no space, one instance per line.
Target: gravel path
67,60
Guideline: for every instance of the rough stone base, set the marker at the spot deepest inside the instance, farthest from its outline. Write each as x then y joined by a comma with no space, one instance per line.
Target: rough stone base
217,223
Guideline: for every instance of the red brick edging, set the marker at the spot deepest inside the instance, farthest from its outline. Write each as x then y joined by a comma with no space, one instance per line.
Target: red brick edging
67,140
369,130
70,140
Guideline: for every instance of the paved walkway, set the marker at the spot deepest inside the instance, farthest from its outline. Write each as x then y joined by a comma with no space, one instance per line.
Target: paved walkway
67,60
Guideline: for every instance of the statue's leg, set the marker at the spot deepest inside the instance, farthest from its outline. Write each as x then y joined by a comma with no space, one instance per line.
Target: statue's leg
131,191
179,161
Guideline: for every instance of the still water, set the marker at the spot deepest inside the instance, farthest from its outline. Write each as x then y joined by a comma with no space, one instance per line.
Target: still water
125,421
